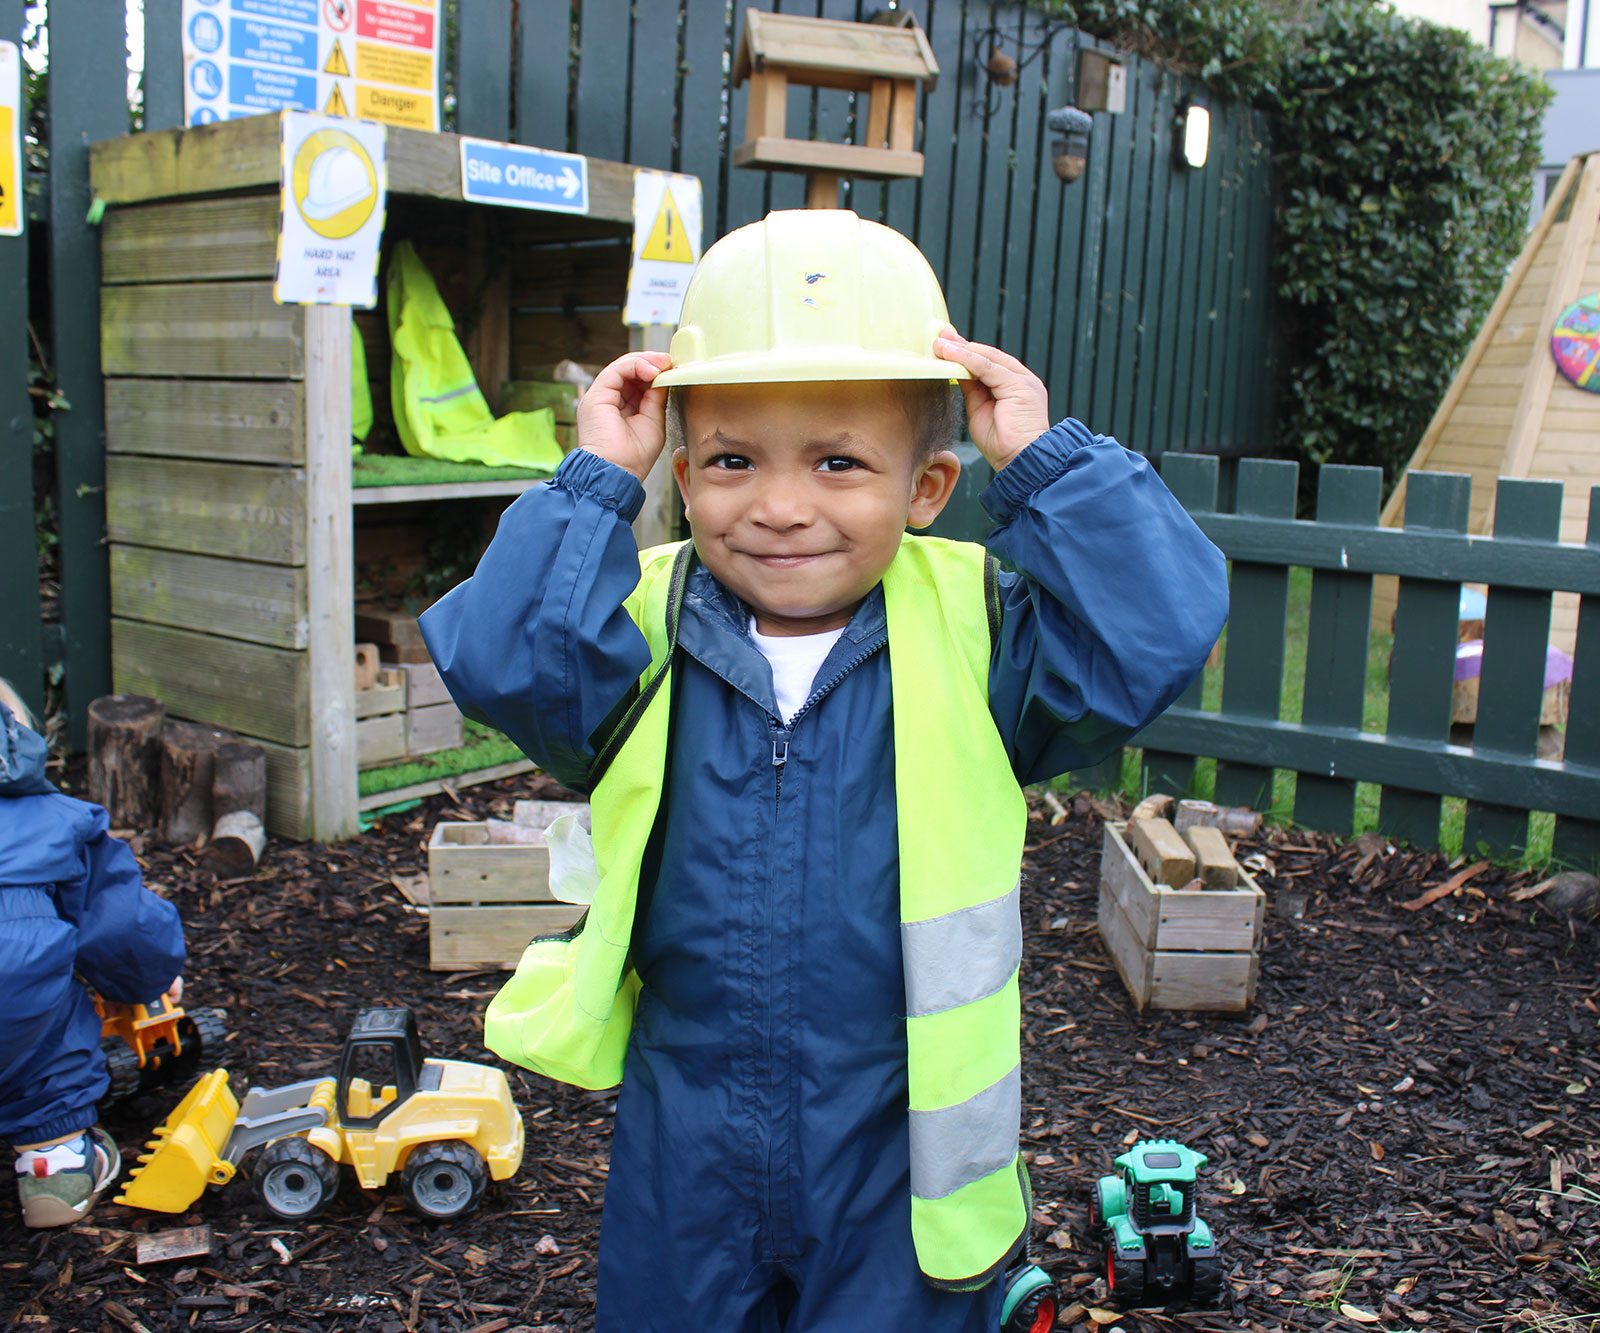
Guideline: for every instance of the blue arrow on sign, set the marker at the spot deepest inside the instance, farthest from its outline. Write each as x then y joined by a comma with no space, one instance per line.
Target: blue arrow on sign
517,177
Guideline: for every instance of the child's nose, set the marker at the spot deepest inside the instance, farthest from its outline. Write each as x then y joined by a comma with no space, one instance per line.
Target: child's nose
781,504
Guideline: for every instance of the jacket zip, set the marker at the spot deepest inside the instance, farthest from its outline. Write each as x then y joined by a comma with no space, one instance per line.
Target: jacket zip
781,734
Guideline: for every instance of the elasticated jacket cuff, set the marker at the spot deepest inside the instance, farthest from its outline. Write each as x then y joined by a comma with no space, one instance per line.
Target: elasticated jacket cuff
604,482
1042,462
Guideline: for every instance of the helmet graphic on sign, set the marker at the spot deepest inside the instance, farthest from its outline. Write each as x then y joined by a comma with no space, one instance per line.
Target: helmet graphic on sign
334,182
338,181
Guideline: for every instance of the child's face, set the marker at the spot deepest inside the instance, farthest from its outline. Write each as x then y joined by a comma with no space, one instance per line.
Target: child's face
797,494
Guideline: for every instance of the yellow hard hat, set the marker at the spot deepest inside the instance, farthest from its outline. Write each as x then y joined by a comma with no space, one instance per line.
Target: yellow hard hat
810,294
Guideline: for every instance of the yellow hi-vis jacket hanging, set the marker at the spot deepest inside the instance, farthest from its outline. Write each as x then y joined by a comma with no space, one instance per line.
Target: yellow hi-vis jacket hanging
439,411
568,1009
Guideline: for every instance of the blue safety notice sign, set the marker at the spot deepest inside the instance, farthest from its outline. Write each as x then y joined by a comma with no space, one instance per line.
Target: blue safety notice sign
517,177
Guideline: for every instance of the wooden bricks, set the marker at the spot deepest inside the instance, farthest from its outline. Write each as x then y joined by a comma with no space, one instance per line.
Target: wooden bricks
1178,948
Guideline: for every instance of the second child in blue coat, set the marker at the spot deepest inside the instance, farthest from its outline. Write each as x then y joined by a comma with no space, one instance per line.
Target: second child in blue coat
73,913
761,1173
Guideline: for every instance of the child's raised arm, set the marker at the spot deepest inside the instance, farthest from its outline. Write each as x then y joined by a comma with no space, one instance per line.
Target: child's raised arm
537,642
1113,596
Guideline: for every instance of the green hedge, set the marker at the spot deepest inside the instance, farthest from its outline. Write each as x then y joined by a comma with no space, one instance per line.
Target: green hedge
1404,156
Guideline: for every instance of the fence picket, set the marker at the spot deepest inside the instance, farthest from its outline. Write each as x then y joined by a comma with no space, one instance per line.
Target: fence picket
1577,841
1151,377
602,107
1056,84
1127,286
1192,479
1336,644
705,34
483,83
654,89
21,639
163,64
1422,667
1252,671
1029,164
1099,381
1511,686
544,35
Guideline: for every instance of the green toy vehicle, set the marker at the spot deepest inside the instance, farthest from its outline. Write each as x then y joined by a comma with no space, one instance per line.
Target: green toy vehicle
1157,1248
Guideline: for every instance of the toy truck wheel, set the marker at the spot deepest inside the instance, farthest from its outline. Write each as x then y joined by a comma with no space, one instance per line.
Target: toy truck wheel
443,1180
123,1066
1205,1283
295,1180
207,1029
1125,1279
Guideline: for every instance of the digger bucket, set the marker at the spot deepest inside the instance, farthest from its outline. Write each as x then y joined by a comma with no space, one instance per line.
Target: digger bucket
186,1154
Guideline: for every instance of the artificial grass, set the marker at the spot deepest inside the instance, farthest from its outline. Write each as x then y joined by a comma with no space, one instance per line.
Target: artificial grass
483,747
404,470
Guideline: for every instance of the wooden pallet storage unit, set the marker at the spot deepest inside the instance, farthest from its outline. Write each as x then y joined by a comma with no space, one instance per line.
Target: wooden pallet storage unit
231,497
1178,948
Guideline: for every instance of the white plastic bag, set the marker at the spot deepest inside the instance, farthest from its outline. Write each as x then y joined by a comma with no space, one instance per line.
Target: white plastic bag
573,873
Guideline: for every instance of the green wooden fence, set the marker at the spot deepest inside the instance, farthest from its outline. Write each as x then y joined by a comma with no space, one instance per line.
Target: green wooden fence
1139,293
1266,722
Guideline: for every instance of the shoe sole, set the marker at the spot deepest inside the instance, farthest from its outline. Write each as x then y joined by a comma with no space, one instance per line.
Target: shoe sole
46,1211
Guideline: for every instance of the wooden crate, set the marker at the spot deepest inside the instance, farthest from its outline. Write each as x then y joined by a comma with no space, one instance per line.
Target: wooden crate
1178,948
380,740
424,685
387,696
437,727
488,901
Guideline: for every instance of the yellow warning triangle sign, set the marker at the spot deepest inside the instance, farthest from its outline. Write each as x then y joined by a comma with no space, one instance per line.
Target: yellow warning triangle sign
336,106
337,64
669,238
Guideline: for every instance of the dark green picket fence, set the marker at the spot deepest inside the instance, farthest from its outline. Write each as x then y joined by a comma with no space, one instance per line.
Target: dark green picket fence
1413,759
1140,293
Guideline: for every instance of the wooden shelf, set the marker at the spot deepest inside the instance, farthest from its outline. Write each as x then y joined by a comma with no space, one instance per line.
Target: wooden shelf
439,490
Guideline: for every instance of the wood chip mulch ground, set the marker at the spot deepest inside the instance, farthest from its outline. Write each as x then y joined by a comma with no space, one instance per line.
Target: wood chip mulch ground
1404,1133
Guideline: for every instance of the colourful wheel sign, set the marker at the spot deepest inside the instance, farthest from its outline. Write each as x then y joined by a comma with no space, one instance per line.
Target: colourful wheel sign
1575,343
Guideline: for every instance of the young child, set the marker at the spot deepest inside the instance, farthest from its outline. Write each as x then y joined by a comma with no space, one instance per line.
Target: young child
804,735
71,906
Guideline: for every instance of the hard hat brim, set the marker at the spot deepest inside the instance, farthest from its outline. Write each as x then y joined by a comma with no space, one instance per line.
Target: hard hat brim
840,363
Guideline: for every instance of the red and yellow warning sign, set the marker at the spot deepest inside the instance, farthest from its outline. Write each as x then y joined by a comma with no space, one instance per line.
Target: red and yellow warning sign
11,199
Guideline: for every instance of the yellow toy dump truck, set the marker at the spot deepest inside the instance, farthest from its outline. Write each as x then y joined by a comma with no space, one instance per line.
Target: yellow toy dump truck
448,1127
147,1045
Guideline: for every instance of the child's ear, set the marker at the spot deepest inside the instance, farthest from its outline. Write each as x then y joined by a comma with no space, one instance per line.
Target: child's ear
680,473
935,483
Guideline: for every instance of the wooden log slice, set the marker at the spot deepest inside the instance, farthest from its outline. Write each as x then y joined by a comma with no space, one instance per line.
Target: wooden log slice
237,841
125,758
188,752
238,780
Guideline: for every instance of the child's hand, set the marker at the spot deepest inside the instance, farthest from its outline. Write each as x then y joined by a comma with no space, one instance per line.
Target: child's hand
174,993
1007,406
621,417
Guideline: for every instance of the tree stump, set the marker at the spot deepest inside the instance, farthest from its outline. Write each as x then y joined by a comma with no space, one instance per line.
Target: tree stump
239,805
188,750
125,758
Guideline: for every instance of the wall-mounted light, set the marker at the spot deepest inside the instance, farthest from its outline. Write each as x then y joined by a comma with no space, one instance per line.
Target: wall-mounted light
1069,150
1191,137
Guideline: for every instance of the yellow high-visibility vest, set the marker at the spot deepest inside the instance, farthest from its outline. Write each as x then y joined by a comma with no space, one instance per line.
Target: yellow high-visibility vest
568,1009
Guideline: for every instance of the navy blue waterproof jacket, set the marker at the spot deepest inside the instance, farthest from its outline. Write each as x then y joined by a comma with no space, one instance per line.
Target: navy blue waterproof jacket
761,1132
71,900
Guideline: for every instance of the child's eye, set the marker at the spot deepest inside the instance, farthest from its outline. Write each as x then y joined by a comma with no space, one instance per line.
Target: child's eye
838,463
730,463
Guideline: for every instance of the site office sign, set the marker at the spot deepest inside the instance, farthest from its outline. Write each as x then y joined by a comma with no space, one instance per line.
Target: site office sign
371,59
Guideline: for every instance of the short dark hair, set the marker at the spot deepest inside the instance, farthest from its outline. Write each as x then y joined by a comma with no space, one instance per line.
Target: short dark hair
934,409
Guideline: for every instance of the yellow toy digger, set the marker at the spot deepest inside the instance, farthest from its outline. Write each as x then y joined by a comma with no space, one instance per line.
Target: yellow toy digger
448,1127
146,1045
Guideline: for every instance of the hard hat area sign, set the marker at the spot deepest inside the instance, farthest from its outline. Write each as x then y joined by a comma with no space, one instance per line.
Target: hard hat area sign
517,177
666,245
378,59
331,212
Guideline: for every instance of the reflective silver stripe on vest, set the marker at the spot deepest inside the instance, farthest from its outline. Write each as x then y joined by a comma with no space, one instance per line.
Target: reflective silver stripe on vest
962,956
958,1144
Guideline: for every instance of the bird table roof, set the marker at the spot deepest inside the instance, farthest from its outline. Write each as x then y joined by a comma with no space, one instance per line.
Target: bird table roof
832,53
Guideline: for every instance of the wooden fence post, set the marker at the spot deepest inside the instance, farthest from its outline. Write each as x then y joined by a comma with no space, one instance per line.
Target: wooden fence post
1336,645
1577,841
1516,633
483,73
1252,672
1192,479
88,60
1422,667
163,64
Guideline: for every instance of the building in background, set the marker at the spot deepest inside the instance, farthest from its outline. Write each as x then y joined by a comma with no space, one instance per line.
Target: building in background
1541,34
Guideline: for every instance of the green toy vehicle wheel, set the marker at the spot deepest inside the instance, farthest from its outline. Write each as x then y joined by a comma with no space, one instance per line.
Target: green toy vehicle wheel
1125,1279
1205,1282
1030,1301
295,1180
